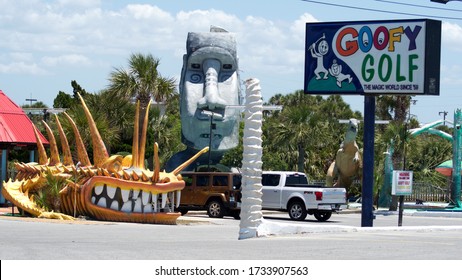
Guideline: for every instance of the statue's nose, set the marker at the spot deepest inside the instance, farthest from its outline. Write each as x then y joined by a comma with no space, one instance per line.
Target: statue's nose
211,97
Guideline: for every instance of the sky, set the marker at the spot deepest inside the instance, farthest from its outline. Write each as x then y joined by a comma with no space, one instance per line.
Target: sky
44,45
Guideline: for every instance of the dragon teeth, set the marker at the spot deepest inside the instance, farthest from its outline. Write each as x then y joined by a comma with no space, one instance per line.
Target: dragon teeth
154,201
146,197
102,202
135,194
138,206
148,208
164,200
125,195
178,197
99,190
111,192
115,205
127,208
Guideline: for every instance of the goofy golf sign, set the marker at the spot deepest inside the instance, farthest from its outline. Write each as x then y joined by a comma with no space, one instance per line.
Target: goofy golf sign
373,57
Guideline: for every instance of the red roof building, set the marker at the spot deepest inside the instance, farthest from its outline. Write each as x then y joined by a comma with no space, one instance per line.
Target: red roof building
16,129
16,132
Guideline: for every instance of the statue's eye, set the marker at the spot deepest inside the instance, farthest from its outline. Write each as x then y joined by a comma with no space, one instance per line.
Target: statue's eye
195,66
227,66
196,78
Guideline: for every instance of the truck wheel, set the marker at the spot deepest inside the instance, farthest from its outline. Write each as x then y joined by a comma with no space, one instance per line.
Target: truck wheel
215,209
297,211
322,216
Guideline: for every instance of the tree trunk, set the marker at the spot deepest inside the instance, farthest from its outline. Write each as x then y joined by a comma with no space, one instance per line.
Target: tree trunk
301,158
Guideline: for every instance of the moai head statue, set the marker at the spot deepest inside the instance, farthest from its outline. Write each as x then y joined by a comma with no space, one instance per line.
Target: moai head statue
209,83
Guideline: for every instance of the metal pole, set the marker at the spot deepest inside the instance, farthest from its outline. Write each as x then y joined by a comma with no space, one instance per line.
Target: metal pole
4,169
210,141
457,157
401,209
401,197
367,214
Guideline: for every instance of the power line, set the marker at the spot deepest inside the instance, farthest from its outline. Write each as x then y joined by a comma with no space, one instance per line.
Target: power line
419,6
380,11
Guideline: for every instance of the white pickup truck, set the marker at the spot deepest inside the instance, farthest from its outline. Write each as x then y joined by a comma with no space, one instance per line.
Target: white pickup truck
289,191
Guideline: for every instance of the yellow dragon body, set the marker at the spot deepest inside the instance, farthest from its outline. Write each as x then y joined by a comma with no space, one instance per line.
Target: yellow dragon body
113,188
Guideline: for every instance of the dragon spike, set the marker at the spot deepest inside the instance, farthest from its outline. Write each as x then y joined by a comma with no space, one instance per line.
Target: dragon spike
42,154
144,177
67,156
144,129
135,176
82,155
125,175
155,176
189,161
136,129
100,154
54,157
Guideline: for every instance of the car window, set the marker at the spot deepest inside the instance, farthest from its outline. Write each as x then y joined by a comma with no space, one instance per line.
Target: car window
188,180
202,180
271,180
237,181
220,180
296,180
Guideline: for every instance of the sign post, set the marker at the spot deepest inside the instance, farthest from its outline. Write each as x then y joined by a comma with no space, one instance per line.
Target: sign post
401,186
372,58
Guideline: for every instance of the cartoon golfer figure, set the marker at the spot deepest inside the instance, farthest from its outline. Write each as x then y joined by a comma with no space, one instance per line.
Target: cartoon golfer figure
318,50
335,70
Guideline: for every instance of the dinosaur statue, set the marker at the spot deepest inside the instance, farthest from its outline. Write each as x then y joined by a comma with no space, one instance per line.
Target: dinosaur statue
113,188
348,162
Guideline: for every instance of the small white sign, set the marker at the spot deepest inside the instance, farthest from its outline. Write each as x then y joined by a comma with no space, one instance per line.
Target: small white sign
402,183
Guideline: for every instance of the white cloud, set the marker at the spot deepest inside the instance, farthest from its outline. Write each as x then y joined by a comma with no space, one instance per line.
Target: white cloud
82,33
22,56
65,60
451,36
78,4
22,68
145,11
450,74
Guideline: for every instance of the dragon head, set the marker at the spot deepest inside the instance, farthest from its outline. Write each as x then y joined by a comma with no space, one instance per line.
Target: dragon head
113,188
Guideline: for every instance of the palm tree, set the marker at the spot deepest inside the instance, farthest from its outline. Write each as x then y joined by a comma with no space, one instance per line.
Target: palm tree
395,108
143,81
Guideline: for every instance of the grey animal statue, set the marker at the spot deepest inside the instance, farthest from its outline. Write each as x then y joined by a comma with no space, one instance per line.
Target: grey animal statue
209,85
348,162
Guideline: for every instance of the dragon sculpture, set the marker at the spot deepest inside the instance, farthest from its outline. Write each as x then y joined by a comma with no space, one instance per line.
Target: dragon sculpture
348,163
113,188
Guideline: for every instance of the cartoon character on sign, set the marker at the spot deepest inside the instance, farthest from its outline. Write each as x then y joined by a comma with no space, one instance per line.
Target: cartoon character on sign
335,70
318,50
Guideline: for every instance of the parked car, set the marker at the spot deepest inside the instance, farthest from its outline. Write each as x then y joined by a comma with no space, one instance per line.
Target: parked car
217,192
290,191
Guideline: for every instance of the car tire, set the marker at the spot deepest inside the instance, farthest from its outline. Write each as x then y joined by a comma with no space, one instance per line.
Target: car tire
322,216
297,211
236,214
215,209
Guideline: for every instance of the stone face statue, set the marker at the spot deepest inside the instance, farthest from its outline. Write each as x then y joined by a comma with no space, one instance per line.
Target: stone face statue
209,83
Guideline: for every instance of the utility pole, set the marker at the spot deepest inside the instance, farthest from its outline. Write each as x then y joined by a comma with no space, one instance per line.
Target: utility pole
31,100
444,113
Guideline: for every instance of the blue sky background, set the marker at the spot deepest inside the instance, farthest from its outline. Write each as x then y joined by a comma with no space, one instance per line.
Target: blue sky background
46,44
